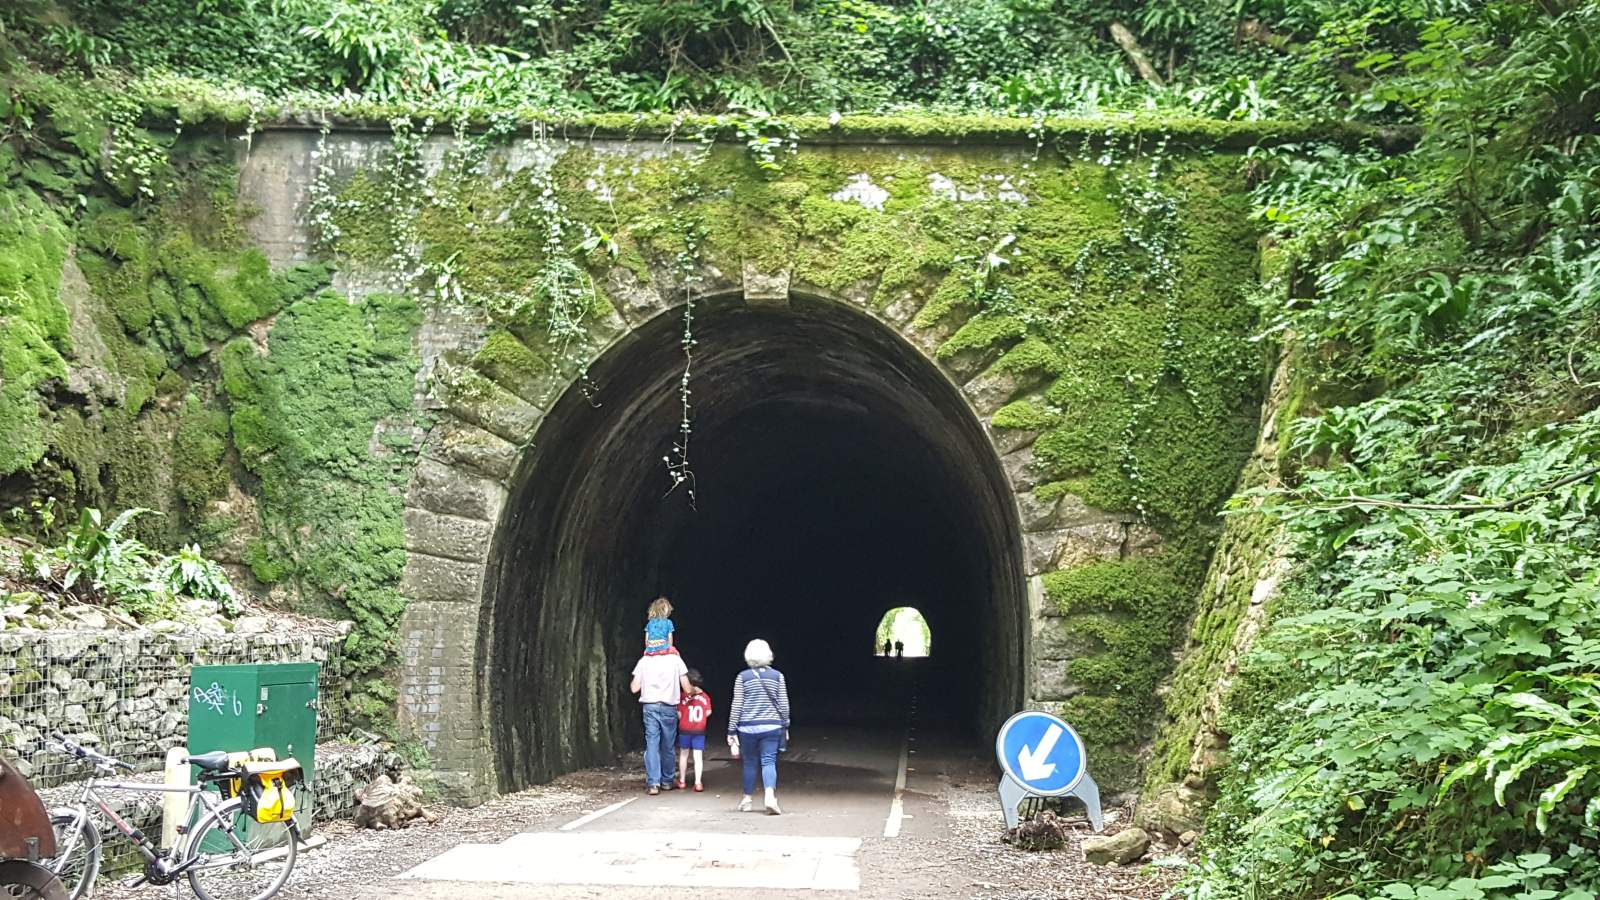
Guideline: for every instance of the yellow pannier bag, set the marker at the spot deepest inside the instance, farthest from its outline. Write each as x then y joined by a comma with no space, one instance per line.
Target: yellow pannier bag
268,795
233,787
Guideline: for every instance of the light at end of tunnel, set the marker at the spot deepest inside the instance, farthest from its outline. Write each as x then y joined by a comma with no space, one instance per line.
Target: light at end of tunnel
903,632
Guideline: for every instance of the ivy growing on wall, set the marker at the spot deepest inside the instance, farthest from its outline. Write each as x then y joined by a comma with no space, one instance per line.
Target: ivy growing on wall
523,229
1139,380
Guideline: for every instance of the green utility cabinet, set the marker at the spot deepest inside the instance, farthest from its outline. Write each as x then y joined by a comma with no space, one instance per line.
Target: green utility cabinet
242,707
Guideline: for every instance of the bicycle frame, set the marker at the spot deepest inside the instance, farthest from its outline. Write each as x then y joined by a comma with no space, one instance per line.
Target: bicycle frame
90,794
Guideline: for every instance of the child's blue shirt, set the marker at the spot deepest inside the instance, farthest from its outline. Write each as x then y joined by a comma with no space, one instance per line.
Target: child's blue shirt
655,634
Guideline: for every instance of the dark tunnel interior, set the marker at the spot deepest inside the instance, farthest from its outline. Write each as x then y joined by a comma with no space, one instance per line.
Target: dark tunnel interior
837,474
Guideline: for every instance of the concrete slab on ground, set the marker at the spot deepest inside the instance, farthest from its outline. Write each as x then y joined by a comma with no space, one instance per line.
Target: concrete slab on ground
650,859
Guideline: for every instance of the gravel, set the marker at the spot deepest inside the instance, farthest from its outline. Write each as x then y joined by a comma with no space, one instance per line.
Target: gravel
970,857
966,856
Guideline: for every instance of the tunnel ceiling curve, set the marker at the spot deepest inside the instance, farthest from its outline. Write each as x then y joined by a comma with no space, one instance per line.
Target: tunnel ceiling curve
837,473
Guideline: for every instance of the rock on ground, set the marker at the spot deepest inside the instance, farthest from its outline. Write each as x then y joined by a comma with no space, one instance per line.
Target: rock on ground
390,803
1119,849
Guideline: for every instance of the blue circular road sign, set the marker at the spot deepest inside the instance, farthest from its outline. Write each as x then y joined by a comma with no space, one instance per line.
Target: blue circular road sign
1041,752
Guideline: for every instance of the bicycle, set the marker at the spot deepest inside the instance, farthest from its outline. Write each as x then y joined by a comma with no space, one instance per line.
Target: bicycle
228,855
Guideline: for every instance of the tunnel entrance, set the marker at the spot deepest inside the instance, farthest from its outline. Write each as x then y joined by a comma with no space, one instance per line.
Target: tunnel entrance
903,632
833,465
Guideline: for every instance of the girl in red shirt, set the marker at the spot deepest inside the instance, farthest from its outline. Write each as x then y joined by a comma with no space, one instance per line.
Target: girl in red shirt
694,713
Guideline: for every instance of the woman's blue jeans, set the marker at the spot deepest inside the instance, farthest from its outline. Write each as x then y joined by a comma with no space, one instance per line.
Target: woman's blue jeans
760,751
660,738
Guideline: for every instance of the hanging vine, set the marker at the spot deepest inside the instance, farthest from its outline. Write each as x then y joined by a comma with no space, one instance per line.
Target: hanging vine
687,263
678,467
381,211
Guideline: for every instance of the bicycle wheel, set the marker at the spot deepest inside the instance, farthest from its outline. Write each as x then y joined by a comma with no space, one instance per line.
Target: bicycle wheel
23,880
234,857
77,859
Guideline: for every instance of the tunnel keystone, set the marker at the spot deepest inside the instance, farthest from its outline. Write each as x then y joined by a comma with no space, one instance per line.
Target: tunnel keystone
636,301
764,288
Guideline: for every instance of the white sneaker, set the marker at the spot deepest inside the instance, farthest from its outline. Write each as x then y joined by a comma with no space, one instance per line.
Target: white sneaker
744,805
772,804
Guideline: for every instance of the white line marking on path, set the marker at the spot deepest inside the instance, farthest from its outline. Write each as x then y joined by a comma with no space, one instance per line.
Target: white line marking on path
897,807
580,822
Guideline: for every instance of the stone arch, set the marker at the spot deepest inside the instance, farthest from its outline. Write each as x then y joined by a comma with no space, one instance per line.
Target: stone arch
469,501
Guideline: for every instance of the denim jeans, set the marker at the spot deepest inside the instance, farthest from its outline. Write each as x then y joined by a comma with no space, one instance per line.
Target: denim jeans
760,751
660,740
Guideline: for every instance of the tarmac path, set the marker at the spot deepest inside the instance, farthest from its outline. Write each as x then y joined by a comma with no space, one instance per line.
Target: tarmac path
840,788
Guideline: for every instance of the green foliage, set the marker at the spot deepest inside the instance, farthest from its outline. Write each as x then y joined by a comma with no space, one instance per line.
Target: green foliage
646,55
374,44
459,237
891,623
198,454
100,555
96,560
1128,613
1417,720
121,569
188,573
175,275
324,422
33,322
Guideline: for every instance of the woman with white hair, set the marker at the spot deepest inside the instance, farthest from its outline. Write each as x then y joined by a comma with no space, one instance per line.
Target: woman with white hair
758,722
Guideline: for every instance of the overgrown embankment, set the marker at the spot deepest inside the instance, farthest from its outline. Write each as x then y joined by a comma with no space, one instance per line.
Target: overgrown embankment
1418,715
151,359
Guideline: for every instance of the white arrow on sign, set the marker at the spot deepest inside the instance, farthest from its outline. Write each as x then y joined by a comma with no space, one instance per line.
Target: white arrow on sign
1032,759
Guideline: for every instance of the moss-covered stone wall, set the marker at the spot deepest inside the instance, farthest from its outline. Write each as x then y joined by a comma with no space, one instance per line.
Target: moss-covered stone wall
1090,298
250,364
151,357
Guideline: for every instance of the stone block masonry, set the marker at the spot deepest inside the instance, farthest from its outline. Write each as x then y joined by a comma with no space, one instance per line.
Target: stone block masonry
374,448
125,693
1074,443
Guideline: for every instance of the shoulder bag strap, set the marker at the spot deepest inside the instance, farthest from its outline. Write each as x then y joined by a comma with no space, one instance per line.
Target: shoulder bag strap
768,691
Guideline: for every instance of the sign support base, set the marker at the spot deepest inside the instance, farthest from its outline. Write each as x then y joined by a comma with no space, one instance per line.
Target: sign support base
1012,794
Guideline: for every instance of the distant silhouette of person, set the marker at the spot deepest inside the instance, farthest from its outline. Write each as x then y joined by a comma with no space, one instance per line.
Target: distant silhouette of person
900,649
886,646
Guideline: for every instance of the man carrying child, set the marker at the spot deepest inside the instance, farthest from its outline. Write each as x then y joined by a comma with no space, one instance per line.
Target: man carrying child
660,680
